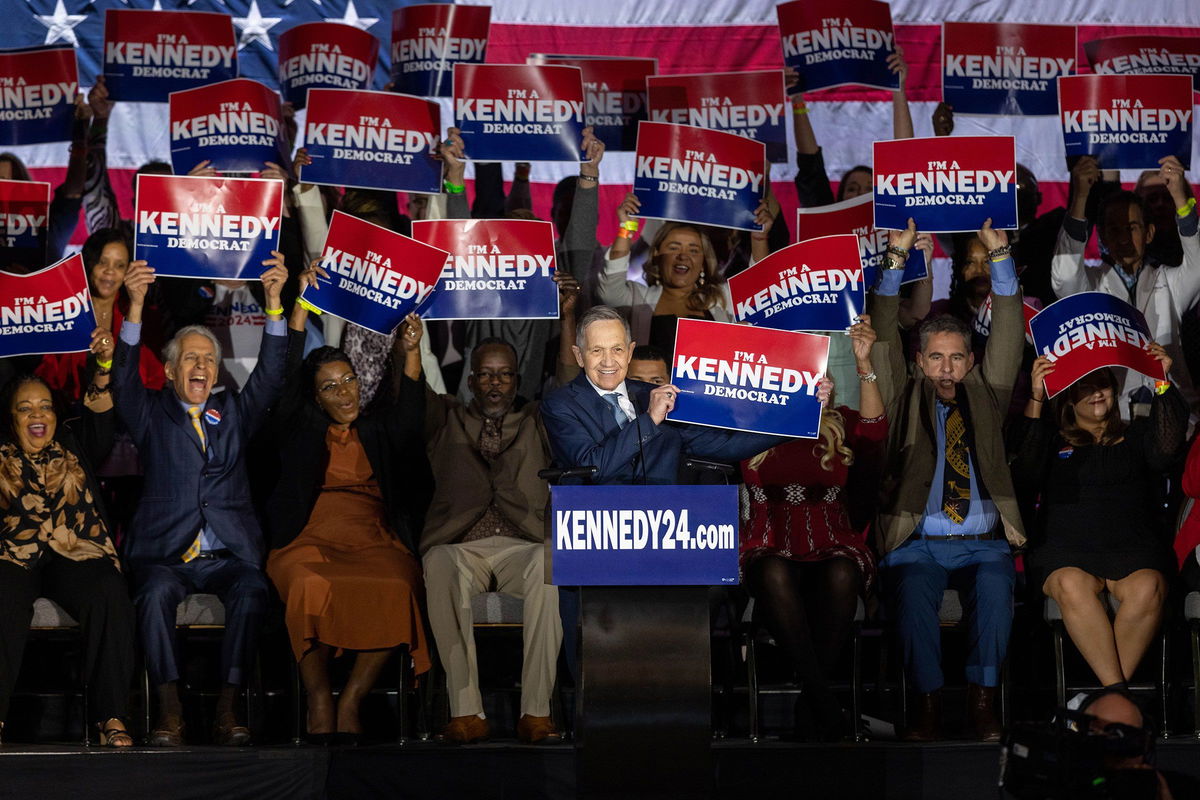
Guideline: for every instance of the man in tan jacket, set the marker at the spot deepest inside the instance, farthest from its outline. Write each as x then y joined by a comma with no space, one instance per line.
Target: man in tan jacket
948,516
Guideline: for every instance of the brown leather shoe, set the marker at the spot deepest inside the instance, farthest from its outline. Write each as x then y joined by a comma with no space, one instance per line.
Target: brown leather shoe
981,714
537,730
465,730
228,732
927,723
168,732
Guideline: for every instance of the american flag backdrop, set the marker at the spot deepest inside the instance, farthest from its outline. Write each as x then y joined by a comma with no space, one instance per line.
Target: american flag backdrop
687,36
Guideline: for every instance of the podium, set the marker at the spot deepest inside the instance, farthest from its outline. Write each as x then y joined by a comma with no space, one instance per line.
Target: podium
644,558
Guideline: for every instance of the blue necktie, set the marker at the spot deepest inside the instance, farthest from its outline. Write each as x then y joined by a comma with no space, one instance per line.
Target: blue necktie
619,414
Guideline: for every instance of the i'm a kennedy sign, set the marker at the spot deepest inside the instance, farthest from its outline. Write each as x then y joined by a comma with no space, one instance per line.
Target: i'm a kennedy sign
857,216
372,140
236,125
948,184
37,95
750,104
325,54
24,221
49,311
746,378
149,54
689,174
1127,121
815,285
428,39
214,228
614,94
520,112
376,276
1003,68
834,45
1145,55
497,269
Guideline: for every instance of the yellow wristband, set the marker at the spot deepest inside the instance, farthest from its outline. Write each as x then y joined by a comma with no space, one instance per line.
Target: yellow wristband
798,110
1160,387
104,364
1187,207
309,307
630,225
274,312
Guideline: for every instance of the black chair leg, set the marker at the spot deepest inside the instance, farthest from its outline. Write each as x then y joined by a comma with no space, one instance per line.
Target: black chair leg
404,680
1195,632
752,686
298,705
856,682
1060,676
1164,684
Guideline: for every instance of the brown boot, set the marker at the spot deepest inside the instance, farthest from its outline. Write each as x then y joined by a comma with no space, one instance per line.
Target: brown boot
981,715
168,732
537,730
467,729
926,725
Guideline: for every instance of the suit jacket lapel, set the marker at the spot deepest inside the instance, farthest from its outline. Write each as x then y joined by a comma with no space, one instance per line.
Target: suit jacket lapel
596,407
177,414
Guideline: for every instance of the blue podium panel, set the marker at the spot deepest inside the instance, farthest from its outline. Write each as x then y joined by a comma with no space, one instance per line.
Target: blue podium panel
644,535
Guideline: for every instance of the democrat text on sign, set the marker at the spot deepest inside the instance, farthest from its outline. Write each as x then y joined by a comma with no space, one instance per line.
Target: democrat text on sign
48,311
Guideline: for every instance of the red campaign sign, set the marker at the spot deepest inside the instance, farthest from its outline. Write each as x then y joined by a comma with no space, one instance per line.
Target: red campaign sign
614,94
750,104
1089,330
497,269
376,276
750,379
1127,121
982,324
325,54
149,54
1145,55
49,311
37,95
840,44
1005,68
857,216
948,184
814,285
236,125
519,112
24,216
429,39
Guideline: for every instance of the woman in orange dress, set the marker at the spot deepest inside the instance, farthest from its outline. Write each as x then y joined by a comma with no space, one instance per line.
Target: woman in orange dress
342,519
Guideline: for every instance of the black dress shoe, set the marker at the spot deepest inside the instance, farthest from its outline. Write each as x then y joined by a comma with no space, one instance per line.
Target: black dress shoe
318,739
345,739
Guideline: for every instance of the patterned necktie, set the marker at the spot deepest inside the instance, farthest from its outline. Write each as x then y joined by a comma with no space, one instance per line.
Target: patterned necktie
194,412
956,475
619,414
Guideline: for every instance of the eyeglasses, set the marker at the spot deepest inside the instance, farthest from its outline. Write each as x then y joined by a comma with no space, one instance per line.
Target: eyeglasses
333,386
487,376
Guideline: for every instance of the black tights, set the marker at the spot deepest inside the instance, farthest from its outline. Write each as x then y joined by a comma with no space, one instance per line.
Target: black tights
808,607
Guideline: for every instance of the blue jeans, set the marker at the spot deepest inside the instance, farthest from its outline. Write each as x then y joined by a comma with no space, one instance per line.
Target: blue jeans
914,577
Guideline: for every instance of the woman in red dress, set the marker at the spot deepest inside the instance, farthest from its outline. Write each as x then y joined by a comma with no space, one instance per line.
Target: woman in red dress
804,557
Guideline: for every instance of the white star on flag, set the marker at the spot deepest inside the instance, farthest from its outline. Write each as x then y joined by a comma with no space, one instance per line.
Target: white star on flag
352,18
60,25
254,27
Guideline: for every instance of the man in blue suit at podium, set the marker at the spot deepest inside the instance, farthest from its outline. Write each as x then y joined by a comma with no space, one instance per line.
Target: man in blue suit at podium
600,419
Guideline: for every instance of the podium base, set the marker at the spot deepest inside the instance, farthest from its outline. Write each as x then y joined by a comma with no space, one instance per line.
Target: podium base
644,705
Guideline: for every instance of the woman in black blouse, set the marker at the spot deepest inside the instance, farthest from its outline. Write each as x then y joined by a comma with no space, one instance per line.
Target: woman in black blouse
1100,481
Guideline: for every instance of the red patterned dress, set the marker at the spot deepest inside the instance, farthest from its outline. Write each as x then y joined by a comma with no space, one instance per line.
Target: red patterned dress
793,508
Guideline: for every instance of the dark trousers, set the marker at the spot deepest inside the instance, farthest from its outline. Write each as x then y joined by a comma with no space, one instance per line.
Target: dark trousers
94,593
160,588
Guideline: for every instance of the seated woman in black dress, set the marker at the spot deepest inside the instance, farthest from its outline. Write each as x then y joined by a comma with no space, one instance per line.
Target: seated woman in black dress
1100,481
55,543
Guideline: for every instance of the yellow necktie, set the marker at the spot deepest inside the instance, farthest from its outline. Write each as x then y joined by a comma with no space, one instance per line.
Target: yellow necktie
194,412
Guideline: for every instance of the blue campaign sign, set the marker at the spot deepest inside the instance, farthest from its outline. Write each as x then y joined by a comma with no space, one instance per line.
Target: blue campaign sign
1127,121
856,216
745,378
519,112
814,285
847,43
644,535
235,124
1003,68
37,95
149,54
48,311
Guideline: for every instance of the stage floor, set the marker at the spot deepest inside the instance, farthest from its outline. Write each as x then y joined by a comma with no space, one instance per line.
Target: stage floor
503,770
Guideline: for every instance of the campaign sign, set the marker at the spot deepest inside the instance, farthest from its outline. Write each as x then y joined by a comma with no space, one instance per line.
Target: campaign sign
37,95
948,184
325,54
1005,69
644,535
24,216
1090,330
372,140
1127,121
1145,55
429,39
814,285
212,228
497,269
235,125
48,311
750,104
856,216
847,43
745,378
519,112
376,276
149,54
614,95
689,174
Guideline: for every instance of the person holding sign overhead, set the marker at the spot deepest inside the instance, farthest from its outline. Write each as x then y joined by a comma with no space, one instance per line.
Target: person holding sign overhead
195,529
1099,481
949,515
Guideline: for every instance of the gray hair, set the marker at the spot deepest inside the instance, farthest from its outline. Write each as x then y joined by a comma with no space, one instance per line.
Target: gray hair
171,351
600,314
944,323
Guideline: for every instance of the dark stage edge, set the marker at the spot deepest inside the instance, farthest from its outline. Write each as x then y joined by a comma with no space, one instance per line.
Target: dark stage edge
503,771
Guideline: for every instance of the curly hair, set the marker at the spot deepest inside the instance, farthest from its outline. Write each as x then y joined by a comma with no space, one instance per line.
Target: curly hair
833,442
707,291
